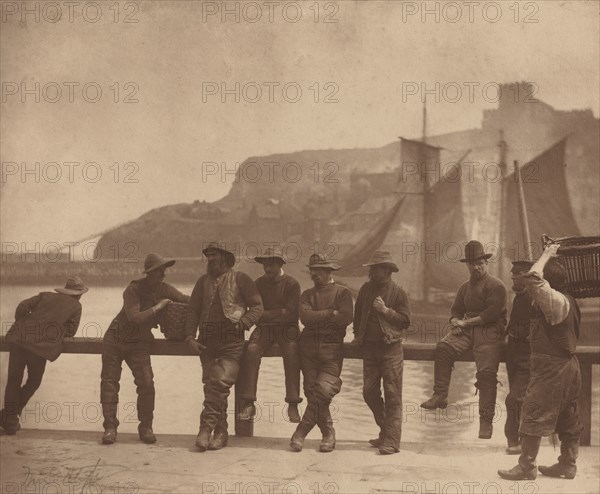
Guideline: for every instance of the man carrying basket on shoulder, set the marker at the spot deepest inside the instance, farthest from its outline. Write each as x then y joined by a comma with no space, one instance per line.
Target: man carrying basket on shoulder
550,403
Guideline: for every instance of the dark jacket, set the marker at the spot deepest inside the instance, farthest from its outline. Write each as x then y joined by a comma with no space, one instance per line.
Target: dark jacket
135,320
43,321
199,310
281,301
521,317
486,298
392,323
316,312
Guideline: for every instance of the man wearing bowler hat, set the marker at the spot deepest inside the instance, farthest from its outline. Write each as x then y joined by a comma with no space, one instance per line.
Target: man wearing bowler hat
518,354
280,295
129,338
380,315
325,311
41,324
225,303
478,320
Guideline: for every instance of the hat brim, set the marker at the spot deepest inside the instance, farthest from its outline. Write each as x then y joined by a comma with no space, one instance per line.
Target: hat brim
263,259
69,291
485,256
166,264
329,267
228,254
392,265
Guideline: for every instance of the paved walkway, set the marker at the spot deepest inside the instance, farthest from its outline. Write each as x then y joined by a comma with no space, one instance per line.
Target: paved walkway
44,461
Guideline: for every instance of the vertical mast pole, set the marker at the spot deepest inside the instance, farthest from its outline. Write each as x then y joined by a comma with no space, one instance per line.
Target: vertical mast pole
503,199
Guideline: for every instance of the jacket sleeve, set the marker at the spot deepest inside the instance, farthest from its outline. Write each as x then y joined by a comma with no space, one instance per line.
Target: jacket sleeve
554,305
495,302
358,310
310,316
344,308
252,300
131,304
458,307
399,314
194,309
26,307
72,324
176,296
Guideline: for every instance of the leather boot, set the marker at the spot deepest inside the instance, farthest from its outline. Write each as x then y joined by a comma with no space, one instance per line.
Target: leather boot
10,430
442,372
566,467
388,450
378,441
486,428
309,420
325,423
203,438
513,450
109,411
146,433
526,468
328,441
220,436
487,408
559,470
219,440
297,440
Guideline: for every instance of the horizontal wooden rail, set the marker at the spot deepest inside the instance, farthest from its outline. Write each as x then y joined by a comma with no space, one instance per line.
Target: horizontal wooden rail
587,356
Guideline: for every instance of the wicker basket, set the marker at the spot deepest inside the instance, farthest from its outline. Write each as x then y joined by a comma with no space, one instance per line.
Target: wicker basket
172,321
581,257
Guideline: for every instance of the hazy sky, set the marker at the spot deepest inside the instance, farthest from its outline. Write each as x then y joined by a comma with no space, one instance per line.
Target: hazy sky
177,49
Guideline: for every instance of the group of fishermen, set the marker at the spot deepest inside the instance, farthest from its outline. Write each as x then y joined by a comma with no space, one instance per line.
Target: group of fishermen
543,329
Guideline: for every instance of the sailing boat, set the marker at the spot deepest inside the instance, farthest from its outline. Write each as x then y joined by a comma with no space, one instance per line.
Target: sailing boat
424,228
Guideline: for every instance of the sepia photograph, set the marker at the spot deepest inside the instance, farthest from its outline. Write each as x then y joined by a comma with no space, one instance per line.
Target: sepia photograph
299,247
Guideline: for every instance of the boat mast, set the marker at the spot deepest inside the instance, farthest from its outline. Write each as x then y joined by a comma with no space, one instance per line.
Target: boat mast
426,190
503,193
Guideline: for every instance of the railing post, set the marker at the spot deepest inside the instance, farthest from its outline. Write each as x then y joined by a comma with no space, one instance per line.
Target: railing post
585,404
243,428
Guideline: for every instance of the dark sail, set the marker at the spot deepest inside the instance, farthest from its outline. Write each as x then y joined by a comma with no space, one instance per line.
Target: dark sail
445,233
352,265
547,203
402,234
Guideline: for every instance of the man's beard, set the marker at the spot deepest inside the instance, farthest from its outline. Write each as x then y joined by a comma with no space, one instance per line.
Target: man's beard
215,268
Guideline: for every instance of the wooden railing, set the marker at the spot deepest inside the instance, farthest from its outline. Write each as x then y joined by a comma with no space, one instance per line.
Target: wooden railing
587,356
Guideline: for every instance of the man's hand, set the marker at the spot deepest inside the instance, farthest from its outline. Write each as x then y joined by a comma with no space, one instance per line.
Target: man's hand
195,345
379,305
457,323
551,250
456,331
162,304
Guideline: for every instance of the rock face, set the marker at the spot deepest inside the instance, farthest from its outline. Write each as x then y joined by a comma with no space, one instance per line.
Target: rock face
302,197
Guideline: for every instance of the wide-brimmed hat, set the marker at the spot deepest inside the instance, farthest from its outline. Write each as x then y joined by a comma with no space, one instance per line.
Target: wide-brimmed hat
269,254
382,257
154,261
219,246
73,286
474,251
520,266
317,261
